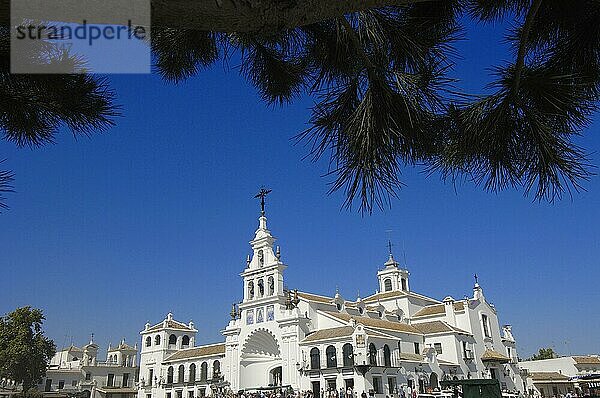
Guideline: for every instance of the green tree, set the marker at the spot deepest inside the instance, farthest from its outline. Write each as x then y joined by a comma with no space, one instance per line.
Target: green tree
378,70
543,353
24,350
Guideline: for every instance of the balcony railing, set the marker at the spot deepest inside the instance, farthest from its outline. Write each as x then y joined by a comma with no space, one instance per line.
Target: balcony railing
113,365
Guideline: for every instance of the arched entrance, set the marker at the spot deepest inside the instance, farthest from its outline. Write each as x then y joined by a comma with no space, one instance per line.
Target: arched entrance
260,360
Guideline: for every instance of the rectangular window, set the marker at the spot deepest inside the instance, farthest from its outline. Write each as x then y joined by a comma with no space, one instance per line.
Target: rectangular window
61,384
74,383
391,385
111,380
168,395
417,348
270,313
438,347
179,393
125,380
190,394
259,315
486,326
48,385
493,373
202,392
88,376
148,395
377,387
249,317
467,352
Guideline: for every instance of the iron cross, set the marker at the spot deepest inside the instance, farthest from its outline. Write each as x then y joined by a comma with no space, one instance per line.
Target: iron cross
476,278
261,194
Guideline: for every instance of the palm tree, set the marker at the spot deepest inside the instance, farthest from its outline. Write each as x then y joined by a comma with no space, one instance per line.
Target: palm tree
378,71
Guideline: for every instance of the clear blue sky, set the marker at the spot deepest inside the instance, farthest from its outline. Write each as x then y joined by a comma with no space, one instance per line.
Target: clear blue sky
155,215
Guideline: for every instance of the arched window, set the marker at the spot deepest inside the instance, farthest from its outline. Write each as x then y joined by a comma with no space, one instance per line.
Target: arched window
185,341
170,375
315,358
348,352
271,283
192,372
250,290
172,339
261,258
180,374
148,341
216,369
203,371
387,356
372,355
331,357
403,281
387,285
157,339
261,288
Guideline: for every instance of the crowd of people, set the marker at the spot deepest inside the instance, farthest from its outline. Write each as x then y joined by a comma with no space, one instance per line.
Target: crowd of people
404,392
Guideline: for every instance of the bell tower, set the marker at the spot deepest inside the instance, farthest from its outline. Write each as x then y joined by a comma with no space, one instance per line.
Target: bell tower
392,277
263,276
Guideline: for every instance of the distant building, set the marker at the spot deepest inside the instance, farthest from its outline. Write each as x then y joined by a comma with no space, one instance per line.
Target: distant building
393,340
77,372
578,374
8,388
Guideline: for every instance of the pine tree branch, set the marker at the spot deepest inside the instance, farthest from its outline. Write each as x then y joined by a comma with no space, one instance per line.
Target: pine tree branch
525,31
357,43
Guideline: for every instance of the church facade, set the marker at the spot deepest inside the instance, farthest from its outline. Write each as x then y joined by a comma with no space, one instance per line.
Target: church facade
393,340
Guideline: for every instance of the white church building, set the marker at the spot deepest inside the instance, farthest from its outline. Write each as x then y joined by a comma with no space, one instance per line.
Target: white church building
394,339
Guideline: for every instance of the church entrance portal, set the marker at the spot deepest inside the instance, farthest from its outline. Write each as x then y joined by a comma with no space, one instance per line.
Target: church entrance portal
260,361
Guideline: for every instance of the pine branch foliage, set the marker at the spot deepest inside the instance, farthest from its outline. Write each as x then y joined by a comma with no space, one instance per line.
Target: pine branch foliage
383,98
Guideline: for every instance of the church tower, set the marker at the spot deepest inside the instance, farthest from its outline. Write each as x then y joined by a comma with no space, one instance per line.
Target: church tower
263,276
392,277
261,337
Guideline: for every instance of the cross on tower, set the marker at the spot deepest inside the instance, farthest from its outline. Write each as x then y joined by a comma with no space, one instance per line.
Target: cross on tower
476,279
390,245
261,194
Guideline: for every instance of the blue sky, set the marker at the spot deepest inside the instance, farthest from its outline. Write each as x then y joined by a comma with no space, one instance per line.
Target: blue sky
155,215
